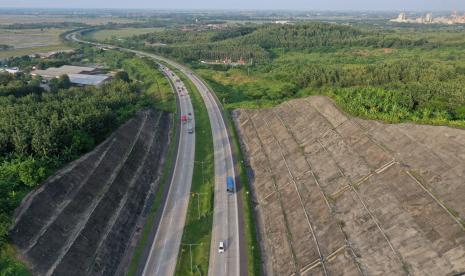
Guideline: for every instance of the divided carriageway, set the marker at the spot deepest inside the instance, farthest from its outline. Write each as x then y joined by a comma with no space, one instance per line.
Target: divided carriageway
226,209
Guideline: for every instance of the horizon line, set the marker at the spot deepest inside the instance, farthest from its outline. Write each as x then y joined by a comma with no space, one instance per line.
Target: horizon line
153,9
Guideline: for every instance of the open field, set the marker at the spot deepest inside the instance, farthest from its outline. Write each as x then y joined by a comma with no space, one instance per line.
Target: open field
81,220
30,41
120,33
338,195
8,19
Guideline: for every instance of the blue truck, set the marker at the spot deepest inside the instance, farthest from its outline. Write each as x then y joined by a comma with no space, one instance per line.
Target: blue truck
230,184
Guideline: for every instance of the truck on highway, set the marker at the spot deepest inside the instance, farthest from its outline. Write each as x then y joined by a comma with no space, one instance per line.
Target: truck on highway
190,127
230,184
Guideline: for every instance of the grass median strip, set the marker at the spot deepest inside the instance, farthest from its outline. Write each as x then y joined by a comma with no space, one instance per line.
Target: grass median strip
194,254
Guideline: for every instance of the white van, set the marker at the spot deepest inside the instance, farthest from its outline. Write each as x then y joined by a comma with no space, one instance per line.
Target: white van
221,247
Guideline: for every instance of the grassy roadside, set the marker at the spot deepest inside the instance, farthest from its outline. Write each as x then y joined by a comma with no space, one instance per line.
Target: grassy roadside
144,237
199,218
253,248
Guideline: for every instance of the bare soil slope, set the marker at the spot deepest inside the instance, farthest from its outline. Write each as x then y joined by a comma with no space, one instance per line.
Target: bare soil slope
81,220
338,195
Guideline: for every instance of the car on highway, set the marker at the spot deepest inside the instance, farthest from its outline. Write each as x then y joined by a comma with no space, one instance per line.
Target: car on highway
221,247
190,127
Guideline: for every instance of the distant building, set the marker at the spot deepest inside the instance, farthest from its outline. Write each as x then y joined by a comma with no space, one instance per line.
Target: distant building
78,75
88,80
52,54
282,22
217,26
430,19
226,61
54,72
402,17
12,70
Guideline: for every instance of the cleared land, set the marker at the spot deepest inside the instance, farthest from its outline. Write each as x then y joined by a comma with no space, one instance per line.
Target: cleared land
81,220
337,195
121,33
30,41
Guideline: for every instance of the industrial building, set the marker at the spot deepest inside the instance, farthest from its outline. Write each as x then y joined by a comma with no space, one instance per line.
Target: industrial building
86,80
55,72
78,75
455,18
13,70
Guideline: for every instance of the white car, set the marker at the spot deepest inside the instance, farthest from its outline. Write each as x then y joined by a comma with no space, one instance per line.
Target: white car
221,247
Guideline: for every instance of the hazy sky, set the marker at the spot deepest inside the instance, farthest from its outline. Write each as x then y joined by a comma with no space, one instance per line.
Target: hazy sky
422,5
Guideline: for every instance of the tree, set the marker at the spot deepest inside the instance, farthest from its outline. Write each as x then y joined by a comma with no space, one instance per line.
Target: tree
122,76
61,82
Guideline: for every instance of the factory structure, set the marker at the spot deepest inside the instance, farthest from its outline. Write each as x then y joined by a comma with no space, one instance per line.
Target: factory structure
78,75
455,18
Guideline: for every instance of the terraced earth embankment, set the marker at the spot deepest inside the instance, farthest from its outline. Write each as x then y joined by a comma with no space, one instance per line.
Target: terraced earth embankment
81,220
337,195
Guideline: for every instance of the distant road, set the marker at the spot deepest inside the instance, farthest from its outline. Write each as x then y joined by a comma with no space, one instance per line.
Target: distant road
225,215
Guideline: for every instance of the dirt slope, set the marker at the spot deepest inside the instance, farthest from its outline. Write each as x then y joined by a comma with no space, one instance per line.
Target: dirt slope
81,220
337,195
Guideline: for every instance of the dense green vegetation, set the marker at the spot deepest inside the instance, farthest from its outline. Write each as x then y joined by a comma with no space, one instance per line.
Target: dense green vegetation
18,85
388,84
41,131
397,74
256,43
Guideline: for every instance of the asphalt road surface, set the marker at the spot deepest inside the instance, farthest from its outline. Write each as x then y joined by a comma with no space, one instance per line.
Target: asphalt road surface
164,251
163,255
225,215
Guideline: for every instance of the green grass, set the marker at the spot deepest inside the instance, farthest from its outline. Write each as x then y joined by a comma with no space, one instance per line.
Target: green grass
198,231
9,265
31,41
154,83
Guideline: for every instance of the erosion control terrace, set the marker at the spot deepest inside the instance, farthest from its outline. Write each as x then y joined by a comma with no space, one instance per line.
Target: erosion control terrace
337,195
81,220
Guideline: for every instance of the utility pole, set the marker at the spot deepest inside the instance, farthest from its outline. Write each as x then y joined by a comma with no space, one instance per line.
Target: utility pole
190,250
198,200
203,181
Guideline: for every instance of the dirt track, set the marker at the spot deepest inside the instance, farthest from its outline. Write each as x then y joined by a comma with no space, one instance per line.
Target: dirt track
81,220
343,196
